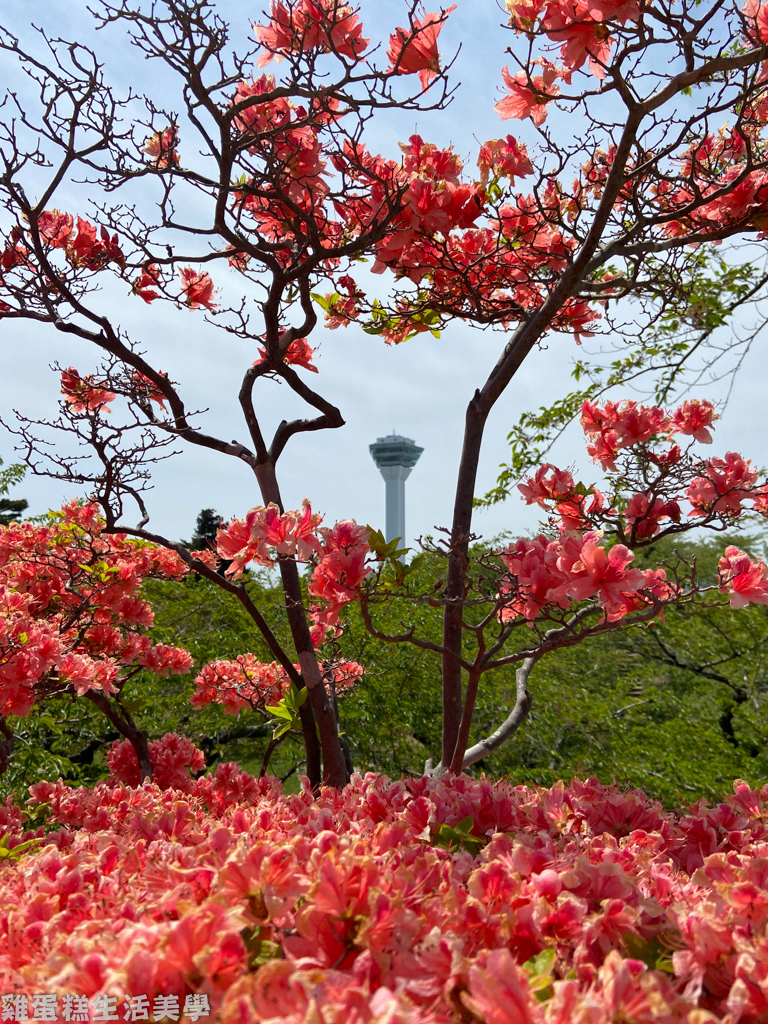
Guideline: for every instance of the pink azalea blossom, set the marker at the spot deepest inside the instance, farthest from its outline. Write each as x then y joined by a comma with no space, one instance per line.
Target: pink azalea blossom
161,147
55,228
722,487
542,489
414,50
693,418
505,158
530,926
198,290
82,395
528,97
145,285
744,580
594,571
298,353
304,25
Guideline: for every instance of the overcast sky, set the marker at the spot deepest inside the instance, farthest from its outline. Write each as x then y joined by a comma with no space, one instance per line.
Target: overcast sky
419,389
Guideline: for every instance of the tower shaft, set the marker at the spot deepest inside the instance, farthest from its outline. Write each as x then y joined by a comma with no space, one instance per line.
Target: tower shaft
395,457
395,477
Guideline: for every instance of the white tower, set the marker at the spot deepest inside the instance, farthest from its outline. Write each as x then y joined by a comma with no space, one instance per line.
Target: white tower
395,457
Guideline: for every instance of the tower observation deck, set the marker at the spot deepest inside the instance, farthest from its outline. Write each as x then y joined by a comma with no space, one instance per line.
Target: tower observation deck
395,457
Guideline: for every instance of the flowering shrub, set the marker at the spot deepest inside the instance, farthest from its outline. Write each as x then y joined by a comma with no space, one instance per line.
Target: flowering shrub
173,757
408,902
72,617
247,682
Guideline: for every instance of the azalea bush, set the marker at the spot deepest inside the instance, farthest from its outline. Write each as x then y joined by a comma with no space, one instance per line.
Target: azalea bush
419,900
288,198
74,622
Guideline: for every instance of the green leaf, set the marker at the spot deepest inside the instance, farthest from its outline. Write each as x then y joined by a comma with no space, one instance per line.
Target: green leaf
295,697
448,836
323,302
376,542
280,711
260,950
17,851
652,952
543,963
540,968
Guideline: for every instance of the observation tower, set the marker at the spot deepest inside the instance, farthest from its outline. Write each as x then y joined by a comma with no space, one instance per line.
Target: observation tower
395,457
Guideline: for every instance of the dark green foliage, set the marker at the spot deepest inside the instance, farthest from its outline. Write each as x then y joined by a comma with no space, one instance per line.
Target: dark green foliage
11,509
212,625
204,537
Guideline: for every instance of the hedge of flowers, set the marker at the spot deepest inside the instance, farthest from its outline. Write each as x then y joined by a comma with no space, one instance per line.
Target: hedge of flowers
417,901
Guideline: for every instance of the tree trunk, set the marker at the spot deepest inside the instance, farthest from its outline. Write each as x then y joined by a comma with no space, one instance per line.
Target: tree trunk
6,747
121,719
457,567
318,708
517,349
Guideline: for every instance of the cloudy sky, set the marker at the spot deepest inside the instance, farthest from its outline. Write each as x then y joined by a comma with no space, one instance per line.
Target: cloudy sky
419,389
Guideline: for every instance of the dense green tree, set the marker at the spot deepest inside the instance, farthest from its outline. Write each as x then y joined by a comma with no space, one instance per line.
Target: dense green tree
206,527
11,509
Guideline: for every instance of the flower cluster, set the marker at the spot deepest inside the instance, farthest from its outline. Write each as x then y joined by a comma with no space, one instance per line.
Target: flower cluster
341,568
298,353
582,561
161,148
72,617
266,534
414,50
286,136
618,425
247,682
242,683
197,289
327,26
299,27
584,31
83,246
745,580
574,567
145,285
81,394
415,901
172,757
